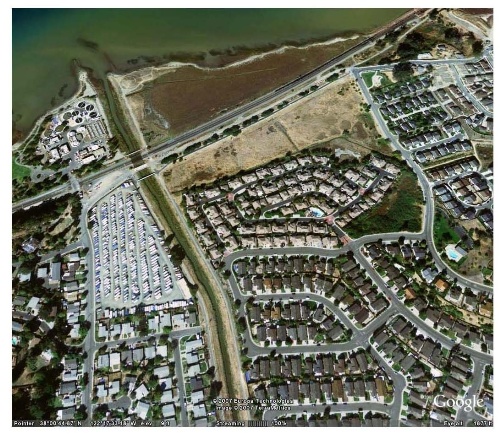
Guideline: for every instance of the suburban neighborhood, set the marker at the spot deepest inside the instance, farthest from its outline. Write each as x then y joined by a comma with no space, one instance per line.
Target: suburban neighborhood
340,281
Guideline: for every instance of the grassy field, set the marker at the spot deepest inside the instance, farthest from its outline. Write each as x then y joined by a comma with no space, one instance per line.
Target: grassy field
400,210
485,155
443,231
368,78
19,171
318,119
385,80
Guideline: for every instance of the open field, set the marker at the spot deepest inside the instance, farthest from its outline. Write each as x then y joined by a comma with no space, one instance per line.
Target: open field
331,117
400,210
376,79
484,153
368,78
479,263
170,100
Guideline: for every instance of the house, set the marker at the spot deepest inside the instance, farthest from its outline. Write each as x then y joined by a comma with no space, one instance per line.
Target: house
196,383
432,314
362,361
161,372
168,411
408,362
114,361
416,399
141,392
199,411
381,338
427,348
103,361
138,355
142,409
67,388
429,274
348,266
378,305
55,272
441,285
66,414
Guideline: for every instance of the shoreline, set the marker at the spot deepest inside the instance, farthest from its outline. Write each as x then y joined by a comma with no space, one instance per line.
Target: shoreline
83,84
204,60
150,73
217,60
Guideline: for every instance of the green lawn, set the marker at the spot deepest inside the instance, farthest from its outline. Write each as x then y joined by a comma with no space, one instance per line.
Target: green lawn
368,78
19,171
443,231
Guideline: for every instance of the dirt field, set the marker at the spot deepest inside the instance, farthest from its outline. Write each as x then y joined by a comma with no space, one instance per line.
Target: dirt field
171,100
480,257
484,153
320,118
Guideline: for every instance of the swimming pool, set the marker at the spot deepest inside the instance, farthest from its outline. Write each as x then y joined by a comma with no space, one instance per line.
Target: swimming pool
317,213
452,253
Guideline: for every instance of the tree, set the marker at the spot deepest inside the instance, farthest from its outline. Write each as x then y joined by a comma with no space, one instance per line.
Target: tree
402,71
477,47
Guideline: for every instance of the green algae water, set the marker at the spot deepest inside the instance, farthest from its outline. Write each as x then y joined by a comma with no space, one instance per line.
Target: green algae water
45,41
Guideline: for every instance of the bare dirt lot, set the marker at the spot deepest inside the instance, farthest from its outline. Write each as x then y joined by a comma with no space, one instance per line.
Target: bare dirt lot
171,100
479,263
332,117
484,152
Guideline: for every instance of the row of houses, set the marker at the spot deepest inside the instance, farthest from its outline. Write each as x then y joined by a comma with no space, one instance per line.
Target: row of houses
472,189
410,103
423,361
290,275
294,322
311,365
417,122
344,420
452,204
453,169
116,374
455,101
70,390
443,150
386,94
352,389
421,140
478,78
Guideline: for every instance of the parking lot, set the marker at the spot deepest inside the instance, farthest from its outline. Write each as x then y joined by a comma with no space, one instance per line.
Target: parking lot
130,263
